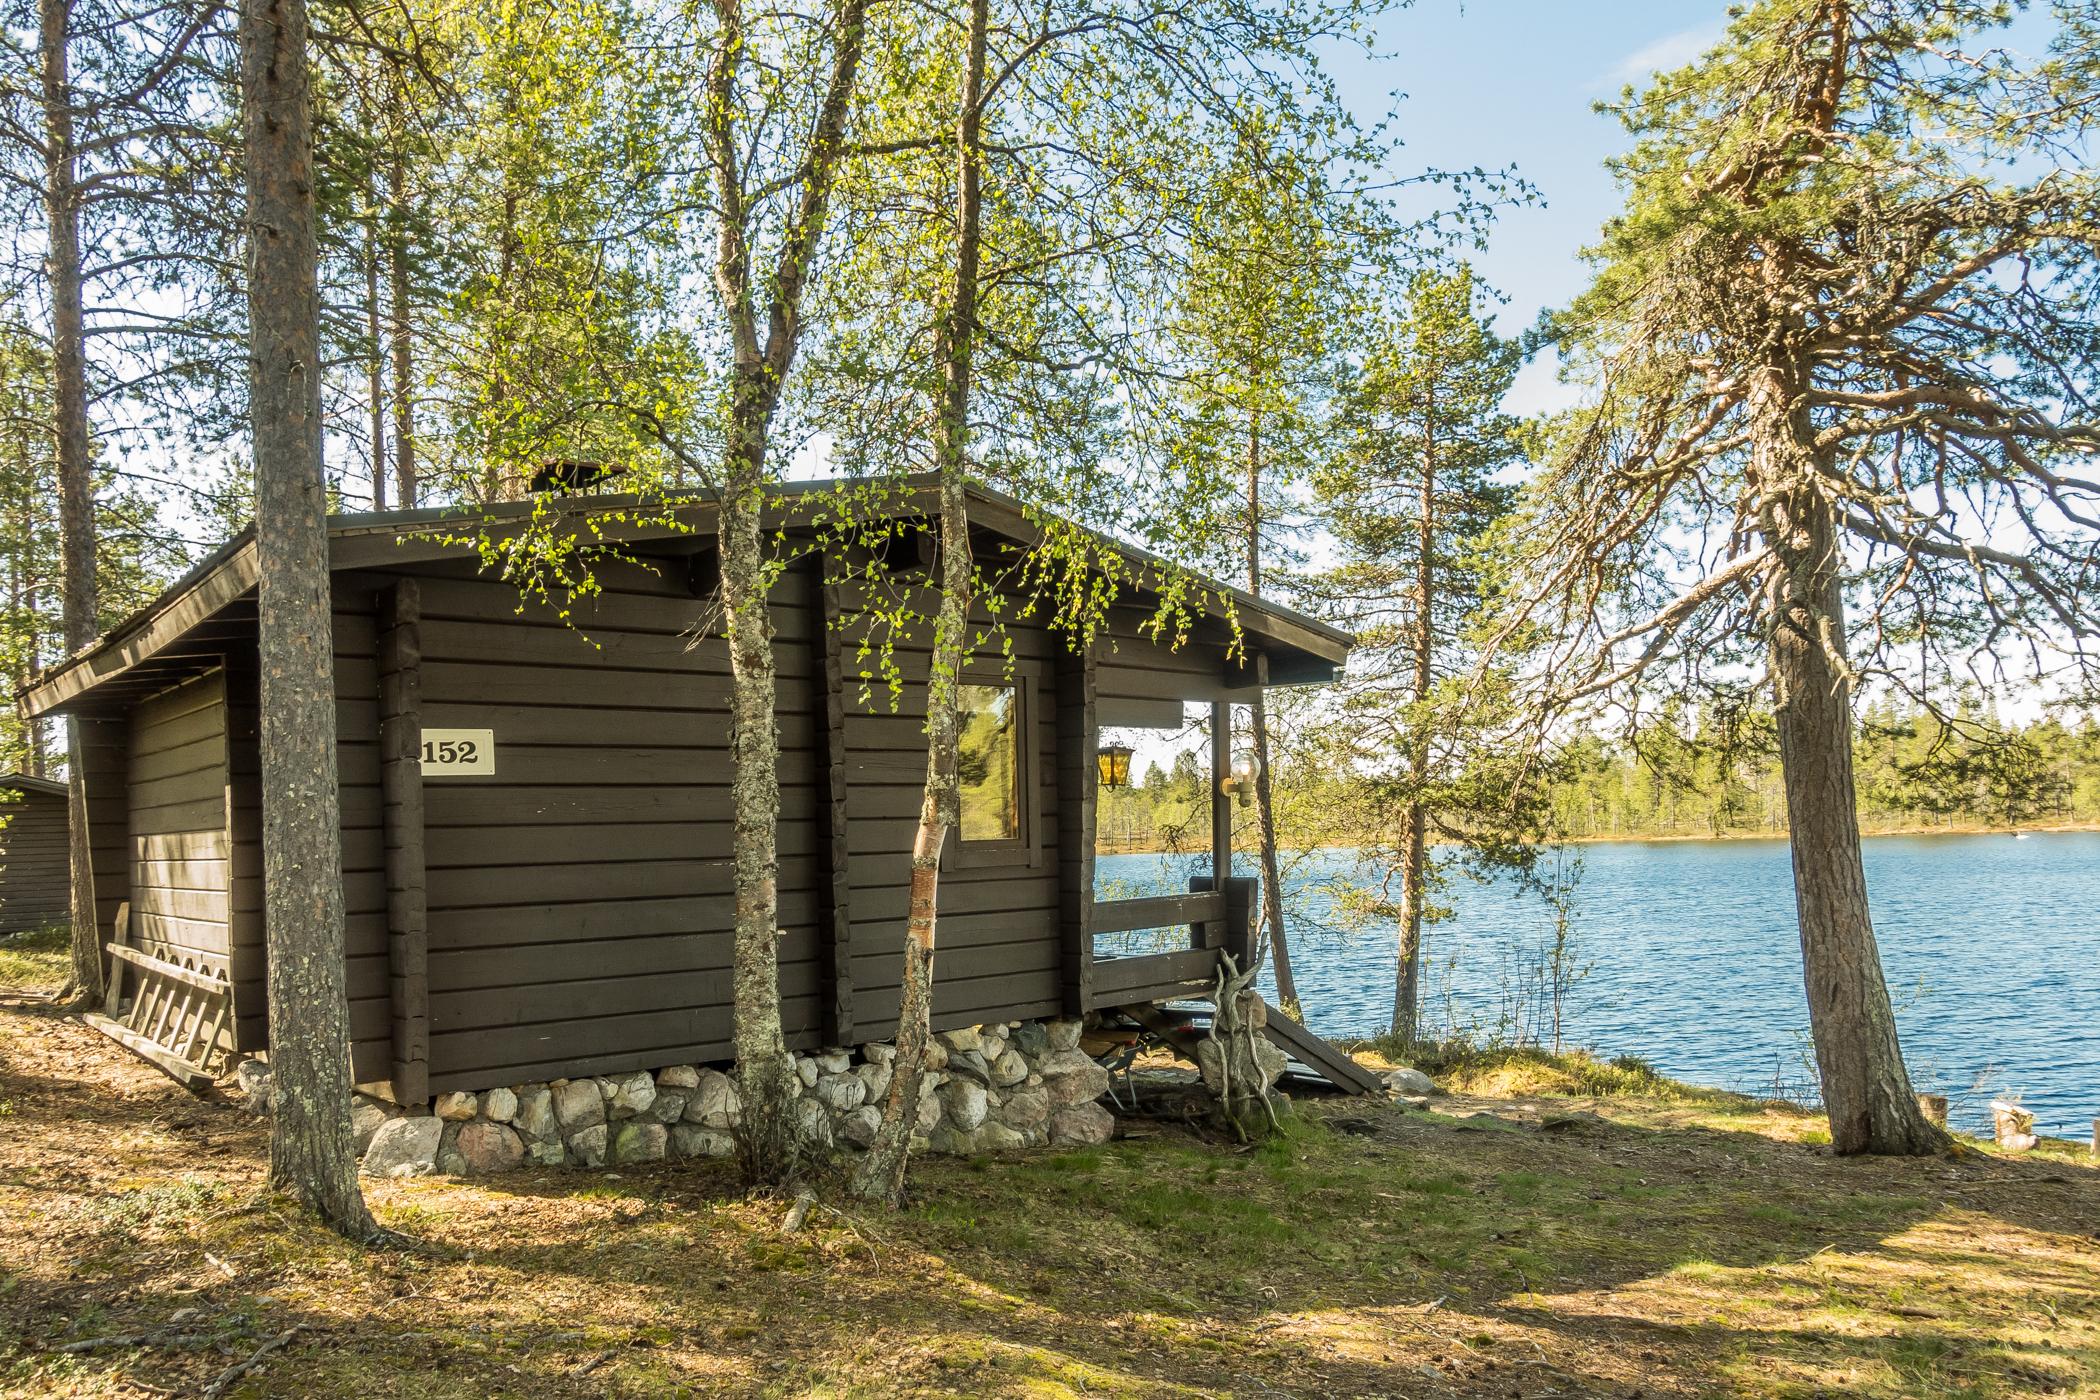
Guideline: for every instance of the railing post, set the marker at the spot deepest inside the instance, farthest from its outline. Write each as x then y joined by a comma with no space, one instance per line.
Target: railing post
1233,934
1241,891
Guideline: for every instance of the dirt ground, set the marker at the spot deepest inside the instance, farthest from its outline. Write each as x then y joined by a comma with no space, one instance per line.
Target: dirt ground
1500,1246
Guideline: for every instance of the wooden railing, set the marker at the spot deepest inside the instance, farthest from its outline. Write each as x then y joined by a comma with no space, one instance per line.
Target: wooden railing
1216,921
1157,911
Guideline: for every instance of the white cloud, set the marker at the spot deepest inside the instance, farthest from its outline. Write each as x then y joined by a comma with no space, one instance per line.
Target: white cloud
1670,51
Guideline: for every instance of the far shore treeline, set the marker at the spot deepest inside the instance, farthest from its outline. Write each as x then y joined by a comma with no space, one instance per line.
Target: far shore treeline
1958,767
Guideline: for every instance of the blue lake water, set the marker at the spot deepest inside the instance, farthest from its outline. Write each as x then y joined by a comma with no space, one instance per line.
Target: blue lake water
1991,945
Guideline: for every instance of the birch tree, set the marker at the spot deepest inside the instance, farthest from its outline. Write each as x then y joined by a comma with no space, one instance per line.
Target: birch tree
881,1172
1840,354
761,303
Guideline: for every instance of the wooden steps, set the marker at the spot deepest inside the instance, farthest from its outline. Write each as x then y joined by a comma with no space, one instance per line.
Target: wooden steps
1320,1055
1311,1052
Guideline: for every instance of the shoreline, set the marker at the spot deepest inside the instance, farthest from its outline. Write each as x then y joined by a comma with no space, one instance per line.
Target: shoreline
1675,837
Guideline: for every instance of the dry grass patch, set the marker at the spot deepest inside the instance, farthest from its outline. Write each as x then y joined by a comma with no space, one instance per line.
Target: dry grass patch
1679,1244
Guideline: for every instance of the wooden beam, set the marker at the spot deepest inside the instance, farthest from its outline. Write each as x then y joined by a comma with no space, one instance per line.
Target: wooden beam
149,633
1320,1056
105,750
1158,911
1155,976
174,972
401,815
1220,799
835,890
179,1070
1078,738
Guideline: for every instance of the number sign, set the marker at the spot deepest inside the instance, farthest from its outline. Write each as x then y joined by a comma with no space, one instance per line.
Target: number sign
459,753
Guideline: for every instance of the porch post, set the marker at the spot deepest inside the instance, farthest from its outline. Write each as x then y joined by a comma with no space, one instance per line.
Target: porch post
1220,799
1078,738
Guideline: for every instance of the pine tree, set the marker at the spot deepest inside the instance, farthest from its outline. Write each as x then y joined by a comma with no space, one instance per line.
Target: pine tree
1839,347
311,1153
1408,500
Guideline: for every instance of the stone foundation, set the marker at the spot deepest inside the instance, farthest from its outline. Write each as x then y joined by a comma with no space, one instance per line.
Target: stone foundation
992,1088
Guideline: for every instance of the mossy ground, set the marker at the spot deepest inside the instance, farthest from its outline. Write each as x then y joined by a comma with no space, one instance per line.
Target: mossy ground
1666,1242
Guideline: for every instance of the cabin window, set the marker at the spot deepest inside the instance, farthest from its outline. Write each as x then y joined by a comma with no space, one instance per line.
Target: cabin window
988,762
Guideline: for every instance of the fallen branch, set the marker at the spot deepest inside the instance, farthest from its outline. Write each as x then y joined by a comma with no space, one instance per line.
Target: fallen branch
129,1339
241,1368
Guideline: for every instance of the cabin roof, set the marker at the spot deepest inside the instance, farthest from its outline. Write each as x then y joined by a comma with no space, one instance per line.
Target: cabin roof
214,603
23,782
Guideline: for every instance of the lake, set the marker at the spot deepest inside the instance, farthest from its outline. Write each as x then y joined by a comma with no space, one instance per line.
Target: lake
1991,945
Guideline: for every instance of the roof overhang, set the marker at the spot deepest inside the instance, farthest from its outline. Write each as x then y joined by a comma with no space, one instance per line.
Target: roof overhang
188,627
23,782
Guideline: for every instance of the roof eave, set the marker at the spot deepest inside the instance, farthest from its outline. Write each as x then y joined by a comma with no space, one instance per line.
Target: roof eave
375,539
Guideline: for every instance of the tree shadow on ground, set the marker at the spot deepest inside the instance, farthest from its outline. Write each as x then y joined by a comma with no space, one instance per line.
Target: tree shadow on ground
1371,1252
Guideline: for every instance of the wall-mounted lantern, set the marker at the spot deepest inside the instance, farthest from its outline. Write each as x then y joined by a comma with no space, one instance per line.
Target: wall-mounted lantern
1239,783
1114,760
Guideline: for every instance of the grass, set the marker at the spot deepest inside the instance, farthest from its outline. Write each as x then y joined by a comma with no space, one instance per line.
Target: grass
1639,1238
1516,1071
35,961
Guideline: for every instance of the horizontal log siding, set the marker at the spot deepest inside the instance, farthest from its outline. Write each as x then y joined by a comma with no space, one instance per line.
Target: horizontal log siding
104,742
244,831
997,948
580,901
180,852
34,860
369,978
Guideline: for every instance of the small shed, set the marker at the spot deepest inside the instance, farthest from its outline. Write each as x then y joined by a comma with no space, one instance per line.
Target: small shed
535,808
33,861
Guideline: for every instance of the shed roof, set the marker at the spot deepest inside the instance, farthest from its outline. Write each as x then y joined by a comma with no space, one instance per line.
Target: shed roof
23,782
212,605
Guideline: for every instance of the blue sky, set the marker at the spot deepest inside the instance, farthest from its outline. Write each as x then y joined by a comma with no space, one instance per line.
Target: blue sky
1512,82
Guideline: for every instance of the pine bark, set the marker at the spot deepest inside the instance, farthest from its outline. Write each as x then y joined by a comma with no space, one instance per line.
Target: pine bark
882,1172
375,368
1866,1089
311,1154
1414,819
79,606
402,344
1258,724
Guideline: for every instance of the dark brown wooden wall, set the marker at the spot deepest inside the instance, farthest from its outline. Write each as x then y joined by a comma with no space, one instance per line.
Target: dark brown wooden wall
34,861
579,902
180,853
997,953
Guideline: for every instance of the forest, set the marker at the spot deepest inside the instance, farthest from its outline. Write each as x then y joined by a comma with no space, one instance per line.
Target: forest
1805,544
1959,767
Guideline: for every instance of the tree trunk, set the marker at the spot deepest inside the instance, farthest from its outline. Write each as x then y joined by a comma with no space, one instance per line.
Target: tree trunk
766,1138
882,1171
1414,864
1407,984
403,346
311,1153
76,486
1264,790
375,364
1866,1089
766,1133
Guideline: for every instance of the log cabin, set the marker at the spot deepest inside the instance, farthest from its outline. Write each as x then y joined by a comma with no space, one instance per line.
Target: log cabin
33,853
535,805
